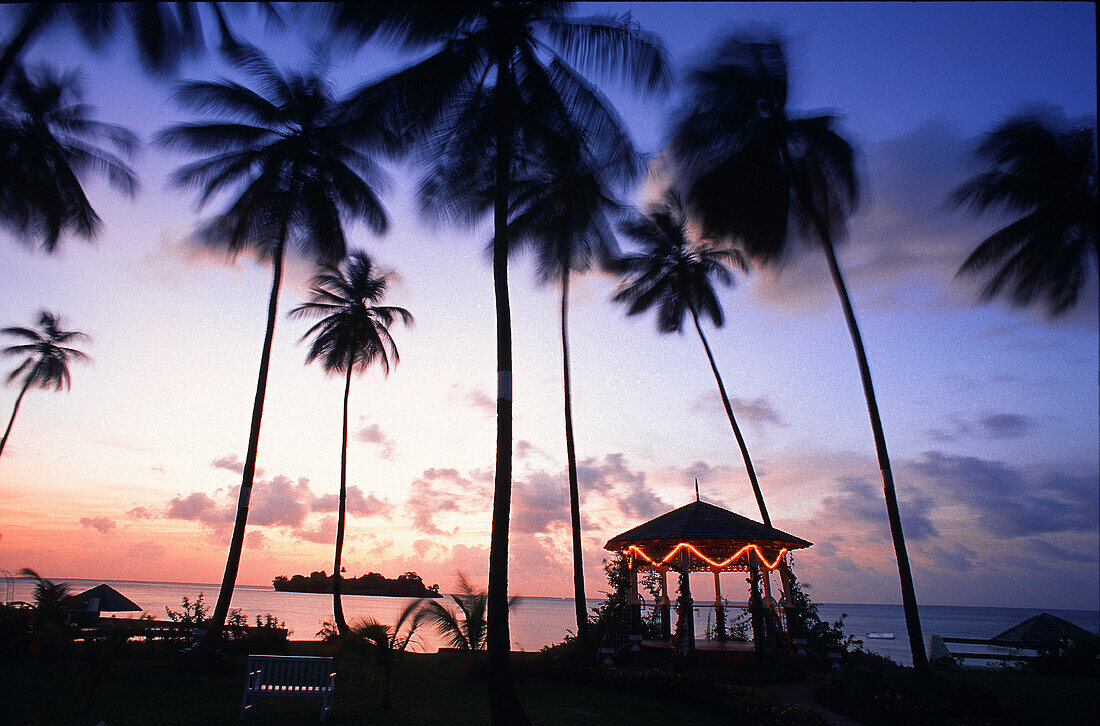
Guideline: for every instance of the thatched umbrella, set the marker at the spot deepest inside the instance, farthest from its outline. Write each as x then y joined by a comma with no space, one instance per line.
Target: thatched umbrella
103,599
1040,630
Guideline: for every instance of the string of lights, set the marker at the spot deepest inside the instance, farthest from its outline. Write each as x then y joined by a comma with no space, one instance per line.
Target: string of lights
635,549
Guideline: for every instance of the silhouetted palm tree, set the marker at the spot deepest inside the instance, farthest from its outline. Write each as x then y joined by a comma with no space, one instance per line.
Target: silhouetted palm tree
352,335
748,167
387,643
466,629
48,143
47,363
299,166
492,101
566,217
162,33
1044,171
51,600
675,275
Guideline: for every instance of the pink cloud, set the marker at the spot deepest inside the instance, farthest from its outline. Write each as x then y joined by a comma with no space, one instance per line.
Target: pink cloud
99,524
373,434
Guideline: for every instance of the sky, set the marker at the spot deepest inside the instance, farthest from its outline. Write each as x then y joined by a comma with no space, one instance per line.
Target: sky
990,412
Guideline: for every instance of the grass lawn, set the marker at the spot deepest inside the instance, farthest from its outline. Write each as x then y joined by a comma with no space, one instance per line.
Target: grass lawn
427,690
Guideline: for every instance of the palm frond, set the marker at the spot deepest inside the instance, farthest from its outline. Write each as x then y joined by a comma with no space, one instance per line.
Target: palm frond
615,46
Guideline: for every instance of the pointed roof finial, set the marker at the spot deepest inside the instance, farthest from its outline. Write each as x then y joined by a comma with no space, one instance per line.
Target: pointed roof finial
696,488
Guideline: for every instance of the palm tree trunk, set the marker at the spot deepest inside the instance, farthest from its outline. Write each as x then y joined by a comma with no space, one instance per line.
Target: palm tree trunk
212,637
15,410
784,567
341,517
733,423
504,707
571,455
908,592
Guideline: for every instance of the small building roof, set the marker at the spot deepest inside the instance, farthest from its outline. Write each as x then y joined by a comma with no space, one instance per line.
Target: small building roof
701,522
1043,628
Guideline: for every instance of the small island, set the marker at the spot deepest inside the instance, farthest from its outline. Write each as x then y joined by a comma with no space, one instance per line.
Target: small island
407,585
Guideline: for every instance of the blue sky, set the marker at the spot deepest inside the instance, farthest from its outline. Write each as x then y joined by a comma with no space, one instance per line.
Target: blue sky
990,411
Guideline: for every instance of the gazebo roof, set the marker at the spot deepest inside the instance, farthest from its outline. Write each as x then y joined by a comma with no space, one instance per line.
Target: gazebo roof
702,522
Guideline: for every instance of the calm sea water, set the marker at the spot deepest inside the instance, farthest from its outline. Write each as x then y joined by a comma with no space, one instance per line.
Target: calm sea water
539,621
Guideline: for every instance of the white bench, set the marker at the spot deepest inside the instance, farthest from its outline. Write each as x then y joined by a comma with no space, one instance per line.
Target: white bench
289,675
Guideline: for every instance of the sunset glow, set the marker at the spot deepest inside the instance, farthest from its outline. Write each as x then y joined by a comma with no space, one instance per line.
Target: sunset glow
992,413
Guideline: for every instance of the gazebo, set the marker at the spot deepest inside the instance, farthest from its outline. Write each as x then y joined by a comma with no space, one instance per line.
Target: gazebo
699,537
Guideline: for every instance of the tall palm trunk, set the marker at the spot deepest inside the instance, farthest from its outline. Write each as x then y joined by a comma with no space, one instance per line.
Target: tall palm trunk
784,567
571,455
504,706
341,517
905,574
211,639
15,410
733,422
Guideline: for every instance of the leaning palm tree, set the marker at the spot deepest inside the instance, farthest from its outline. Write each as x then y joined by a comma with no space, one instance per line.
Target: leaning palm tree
566,215
487,104
298,166
352,335
47,359
748,167
49,144
674,274
1044,171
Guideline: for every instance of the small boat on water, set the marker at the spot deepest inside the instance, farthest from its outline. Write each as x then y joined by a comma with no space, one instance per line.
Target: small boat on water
880,636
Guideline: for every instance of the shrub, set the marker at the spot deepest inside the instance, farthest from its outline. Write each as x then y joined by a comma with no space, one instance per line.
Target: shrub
873,689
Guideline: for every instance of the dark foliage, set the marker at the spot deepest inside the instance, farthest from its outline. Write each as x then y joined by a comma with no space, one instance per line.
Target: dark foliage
49,146
875,690
1044,170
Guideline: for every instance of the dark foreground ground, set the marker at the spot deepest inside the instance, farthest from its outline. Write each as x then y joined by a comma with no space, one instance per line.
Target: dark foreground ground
448,689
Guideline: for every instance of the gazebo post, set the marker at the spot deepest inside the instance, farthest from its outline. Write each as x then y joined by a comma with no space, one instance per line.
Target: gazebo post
666,615
756,609
635,607
719,606
687,606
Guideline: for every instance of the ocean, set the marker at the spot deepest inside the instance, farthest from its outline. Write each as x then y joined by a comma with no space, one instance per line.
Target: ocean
539,621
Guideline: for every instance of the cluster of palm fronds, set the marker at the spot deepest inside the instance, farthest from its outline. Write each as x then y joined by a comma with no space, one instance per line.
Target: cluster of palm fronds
501,119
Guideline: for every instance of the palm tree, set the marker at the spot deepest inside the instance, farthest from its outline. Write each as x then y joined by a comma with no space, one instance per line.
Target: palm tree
47,363
673,274
299,166
49,143
51,601
1044,171
488,104
352,335
163,33
748,167
387,643
467,628
565,216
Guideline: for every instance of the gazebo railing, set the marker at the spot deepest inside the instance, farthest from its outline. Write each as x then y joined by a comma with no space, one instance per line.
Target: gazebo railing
706,619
